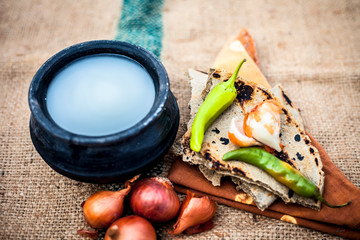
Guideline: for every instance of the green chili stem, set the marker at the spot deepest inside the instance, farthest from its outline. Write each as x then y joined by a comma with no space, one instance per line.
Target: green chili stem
231,80
318,196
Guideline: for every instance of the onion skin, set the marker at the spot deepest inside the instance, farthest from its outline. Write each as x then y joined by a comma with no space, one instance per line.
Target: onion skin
195,212
93,234
104,207
131,228
154,199
200,227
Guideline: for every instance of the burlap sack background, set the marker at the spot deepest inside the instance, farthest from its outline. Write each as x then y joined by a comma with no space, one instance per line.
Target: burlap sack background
311,47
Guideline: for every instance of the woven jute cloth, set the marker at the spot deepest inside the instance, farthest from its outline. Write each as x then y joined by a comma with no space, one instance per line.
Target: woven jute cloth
311,47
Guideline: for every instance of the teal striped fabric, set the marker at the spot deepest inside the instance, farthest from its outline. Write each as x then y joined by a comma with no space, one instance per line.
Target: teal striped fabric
141,24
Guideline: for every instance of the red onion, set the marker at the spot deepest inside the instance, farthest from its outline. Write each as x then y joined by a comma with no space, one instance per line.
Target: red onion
104,207
154,199
130,227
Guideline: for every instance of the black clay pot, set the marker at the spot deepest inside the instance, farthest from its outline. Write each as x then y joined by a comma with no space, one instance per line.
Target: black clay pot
108,158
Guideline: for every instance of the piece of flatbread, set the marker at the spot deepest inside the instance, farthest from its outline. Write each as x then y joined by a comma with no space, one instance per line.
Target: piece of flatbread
199,84
279,92
297,151
241,47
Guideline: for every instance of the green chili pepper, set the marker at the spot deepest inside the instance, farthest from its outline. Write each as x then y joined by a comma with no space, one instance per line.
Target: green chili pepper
219,99
281,171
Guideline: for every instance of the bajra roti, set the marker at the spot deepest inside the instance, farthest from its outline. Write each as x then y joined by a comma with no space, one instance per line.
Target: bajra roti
200,84
298,150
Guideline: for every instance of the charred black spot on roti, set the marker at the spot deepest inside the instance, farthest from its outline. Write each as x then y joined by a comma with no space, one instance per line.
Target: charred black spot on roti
224,141
311,150
217,164
215,130
299,156
213,142
186,149
186,143
244,92
216,75
207,156
290,193
288,119
316,162
268,96
283,157
280,135
297,138
239,171
287,98
307,141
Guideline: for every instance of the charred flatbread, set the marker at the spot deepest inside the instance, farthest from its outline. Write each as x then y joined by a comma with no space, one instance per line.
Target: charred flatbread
298,150
200,84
